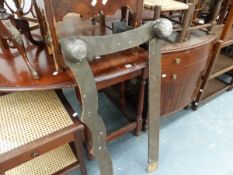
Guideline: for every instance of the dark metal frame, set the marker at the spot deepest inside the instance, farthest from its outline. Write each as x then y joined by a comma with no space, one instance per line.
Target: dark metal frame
78,50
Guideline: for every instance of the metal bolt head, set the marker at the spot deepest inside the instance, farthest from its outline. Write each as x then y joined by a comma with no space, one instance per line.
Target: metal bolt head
75,49
162,28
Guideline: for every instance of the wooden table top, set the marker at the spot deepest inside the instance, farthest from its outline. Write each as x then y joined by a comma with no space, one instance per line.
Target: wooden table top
15,76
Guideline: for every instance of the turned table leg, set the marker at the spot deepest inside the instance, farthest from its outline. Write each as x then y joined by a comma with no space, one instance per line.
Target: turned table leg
140,104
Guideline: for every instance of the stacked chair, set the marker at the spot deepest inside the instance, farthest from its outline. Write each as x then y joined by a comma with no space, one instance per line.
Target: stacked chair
11,31
159,6
190,19
207,18
38,134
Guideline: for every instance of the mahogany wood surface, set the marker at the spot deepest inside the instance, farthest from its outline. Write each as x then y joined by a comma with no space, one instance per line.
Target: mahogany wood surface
182,81
14,75
87,10
219,64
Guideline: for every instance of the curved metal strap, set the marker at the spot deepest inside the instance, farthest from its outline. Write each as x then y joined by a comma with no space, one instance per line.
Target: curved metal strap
107,44
86,84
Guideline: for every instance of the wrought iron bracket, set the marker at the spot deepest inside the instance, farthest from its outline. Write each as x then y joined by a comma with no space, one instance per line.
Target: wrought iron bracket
79,50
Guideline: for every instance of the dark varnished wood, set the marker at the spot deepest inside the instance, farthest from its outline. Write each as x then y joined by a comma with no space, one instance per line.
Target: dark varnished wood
104,71
87,10
183,78
14,75
109,70
73,133
219,64
55,10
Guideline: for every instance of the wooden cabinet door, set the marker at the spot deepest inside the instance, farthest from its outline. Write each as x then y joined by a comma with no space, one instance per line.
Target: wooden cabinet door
181,77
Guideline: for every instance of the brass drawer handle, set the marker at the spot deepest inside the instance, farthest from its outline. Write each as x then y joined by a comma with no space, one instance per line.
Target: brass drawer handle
174,76
177,61
35,154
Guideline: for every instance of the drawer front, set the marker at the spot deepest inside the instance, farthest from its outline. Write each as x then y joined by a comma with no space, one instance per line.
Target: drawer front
175,60
178,60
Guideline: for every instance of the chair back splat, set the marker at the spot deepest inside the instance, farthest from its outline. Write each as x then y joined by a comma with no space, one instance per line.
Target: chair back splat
54,11
78,50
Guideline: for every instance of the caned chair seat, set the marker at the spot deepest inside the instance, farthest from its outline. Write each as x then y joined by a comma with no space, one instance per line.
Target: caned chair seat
28,116
166,5
37,117
46,164
159,6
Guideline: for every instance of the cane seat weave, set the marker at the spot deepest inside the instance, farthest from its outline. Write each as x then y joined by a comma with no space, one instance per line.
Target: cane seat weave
46,164
28,116
166,5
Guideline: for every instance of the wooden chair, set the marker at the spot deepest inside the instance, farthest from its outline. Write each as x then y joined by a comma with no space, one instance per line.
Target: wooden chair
191,19
224,11
220,64
35,132
86,10
19,10
25,19
206,14
9,32
159,6
112,69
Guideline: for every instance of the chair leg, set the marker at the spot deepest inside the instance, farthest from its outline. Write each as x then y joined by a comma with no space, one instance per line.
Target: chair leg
79,149
23,26
88,143
102,22
157,12
22,51
124,13
5,47
145,110
186,23
214,16
140,104
223,11
216,51
122,96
